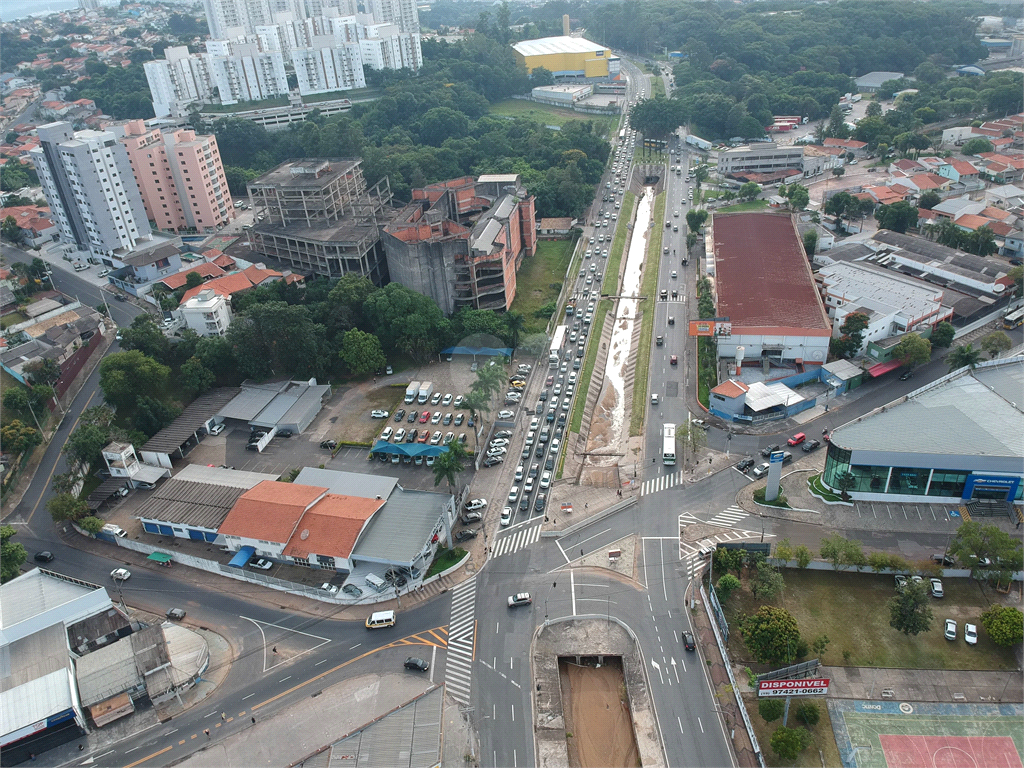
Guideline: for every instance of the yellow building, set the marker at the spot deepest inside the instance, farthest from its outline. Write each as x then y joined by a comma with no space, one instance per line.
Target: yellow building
566,57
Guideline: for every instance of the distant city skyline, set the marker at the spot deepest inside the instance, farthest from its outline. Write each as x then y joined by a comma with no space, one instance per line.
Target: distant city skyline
12,10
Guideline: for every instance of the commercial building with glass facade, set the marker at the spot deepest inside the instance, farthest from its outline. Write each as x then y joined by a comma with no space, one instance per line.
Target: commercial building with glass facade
958,439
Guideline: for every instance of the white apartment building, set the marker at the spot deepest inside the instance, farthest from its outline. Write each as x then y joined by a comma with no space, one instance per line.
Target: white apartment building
893,304
327,68
328,53
208,313
89,186
179,78
401,13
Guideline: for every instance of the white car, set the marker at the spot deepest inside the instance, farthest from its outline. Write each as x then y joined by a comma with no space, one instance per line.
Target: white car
436,417
120,574
519,473
447,400
387,433
330,588
496,452
505,415
261,564
950,633
506,516
459,400
400,435
761,470
936,586
216,429
513,493
499,442
545,480
970,634
378,414
528,486
474,504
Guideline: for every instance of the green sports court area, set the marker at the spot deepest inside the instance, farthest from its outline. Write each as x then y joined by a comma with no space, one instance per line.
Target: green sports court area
890,734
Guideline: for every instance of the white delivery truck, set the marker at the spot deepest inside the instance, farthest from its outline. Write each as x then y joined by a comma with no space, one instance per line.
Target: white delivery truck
426,389
411,391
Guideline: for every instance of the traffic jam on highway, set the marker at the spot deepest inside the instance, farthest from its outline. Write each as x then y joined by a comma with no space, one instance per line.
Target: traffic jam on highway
549,403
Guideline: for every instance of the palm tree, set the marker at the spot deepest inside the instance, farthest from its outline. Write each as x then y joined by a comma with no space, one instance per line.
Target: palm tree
449,464
514,322
966,355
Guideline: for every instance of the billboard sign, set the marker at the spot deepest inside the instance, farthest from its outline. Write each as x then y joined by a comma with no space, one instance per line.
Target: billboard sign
813,687
713,326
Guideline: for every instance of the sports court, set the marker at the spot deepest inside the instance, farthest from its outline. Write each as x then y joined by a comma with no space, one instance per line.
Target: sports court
889,734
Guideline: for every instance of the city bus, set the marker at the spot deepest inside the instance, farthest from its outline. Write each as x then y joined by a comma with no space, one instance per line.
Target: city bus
1014,319
669,453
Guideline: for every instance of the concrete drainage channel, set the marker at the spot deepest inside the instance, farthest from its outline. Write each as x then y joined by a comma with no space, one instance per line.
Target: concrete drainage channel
593,701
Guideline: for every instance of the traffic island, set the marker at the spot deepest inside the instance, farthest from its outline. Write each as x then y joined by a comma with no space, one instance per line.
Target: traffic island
575,722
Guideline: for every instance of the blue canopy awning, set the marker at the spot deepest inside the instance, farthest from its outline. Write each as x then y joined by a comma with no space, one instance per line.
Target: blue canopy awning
242,557
408,449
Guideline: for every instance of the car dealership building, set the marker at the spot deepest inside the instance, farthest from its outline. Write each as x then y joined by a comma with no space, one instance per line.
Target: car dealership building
959,439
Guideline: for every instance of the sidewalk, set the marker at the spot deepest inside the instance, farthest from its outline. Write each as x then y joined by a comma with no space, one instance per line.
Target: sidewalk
923,684
741,744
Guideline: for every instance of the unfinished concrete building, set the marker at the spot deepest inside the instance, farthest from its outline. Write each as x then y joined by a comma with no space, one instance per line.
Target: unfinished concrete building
319,216
462,241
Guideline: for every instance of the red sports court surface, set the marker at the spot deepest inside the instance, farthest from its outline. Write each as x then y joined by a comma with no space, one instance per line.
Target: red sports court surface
949,751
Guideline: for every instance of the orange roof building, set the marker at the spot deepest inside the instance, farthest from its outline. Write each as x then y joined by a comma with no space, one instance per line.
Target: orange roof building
269,512
332,526
237,282
206,271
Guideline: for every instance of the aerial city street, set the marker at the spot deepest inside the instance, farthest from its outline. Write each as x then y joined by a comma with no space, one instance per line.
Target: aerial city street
485,384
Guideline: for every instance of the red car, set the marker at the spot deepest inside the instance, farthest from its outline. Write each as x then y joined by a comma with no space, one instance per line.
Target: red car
425,417
674,360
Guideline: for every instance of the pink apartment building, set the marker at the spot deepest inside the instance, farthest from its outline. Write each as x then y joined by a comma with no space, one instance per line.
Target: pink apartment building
180,176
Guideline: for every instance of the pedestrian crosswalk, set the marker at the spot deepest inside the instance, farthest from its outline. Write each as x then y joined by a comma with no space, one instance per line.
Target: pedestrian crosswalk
662,483
690,551
728,517
513,541
458,673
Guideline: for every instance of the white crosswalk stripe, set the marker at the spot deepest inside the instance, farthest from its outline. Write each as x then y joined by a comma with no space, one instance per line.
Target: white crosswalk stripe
689,550
458,674
516,540
662,483
729,517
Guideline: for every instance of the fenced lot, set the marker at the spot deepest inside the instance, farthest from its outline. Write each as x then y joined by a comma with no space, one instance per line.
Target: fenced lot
850,608
540,281
901,735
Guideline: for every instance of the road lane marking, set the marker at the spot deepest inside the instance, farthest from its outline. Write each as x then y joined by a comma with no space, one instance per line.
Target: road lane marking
149,757
572,579
701,725
253,694
678,720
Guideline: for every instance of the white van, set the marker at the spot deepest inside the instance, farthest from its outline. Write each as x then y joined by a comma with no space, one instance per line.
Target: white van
381,619
115,530
376,582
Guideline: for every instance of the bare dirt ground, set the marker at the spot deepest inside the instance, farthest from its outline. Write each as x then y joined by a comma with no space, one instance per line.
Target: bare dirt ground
598,711
351,414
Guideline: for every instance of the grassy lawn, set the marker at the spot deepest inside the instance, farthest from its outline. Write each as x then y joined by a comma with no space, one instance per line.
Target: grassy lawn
359,427
824,739
850,608
749,205
815,486
548,115
12,319
580,401
648,287
659,87
540,280
445,559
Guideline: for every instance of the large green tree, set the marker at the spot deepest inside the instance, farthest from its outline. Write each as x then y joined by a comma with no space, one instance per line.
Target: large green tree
943,334
278,339
1004,625
124,376
909,609
771,635
12,554
362,352
64,506
898,217
19,438
974,543
995,343
912,351
450,464
406,321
